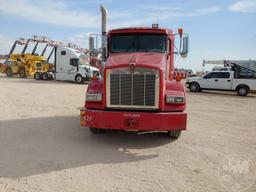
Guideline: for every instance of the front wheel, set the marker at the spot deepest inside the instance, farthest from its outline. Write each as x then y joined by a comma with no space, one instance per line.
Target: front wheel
174,134
9,72
22,73
194,87
37,76
79,79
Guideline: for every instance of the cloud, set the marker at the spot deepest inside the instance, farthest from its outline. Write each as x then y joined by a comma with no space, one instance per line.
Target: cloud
63,14
6,43
49,12
244,6
80,39
170,12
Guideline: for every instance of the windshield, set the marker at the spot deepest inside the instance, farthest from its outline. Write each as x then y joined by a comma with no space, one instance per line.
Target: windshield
84,59
138,43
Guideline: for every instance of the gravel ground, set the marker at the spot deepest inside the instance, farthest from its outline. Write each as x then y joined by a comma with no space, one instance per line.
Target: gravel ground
43,147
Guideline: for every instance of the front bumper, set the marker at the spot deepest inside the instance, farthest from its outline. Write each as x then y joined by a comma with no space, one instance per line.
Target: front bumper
140,121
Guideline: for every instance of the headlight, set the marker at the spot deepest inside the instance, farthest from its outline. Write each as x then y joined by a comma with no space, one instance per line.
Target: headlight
94,97
175,99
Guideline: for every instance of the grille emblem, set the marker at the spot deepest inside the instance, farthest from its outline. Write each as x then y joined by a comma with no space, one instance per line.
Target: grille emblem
132,66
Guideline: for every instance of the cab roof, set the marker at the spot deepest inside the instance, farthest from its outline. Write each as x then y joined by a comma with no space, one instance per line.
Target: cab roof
141,30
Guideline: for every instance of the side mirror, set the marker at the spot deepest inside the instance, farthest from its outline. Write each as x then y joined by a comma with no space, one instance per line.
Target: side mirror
185,47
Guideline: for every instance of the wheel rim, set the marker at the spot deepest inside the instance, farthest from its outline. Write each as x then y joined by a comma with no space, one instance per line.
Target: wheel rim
8,72
37,75
193,87
22,74
242,91
45,76
79,79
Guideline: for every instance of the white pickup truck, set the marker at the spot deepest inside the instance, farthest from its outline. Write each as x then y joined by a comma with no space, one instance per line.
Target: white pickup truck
221,80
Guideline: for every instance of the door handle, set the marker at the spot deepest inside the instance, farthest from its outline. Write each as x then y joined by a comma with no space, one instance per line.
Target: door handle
228,80
216,80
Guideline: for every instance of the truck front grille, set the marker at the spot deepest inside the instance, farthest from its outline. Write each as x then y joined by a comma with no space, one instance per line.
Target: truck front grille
133,90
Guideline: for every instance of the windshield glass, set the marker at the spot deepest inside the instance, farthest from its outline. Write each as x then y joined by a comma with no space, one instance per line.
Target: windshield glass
84,59
138,43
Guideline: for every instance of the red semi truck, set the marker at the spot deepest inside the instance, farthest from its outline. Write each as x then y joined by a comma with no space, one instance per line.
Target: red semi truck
138,90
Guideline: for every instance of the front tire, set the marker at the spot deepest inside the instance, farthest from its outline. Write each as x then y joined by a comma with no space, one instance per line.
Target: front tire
9,72
37,76
174,134
242,91
45,76
79,79
22,73
194,87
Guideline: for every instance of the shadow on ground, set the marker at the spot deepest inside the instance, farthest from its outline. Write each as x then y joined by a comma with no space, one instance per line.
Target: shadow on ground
41,145
34,81
222,93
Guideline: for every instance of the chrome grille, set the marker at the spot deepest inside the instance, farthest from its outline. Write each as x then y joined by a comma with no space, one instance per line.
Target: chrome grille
129,89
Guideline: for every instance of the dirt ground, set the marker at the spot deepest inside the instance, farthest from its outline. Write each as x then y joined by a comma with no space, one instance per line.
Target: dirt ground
43,147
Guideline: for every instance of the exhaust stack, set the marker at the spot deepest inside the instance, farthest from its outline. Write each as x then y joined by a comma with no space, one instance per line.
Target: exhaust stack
104,32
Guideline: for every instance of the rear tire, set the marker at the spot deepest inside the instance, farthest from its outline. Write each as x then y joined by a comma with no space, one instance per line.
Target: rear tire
79,79
9,72
45,76
194,87
174,134
96,130
242,90
22,73
37,76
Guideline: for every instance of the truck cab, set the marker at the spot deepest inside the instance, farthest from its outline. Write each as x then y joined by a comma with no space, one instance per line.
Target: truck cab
138,90
73,65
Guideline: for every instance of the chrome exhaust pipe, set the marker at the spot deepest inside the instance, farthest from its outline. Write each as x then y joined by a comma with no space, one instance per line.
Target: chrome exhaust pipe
104,32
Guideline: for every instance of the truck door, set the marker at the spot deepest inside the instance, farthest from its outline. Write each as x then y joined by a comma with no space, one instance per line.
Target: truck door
224,81
209,81
73,68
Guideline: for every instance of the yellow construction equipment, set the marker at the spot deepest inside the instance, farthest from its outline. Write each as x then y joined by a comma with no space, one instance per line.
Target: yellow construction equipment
26,65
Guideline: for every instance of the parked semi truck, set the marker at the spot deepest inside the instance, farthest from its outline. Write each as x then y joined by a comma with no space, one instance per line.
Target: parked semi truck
234,75
138,90
70,65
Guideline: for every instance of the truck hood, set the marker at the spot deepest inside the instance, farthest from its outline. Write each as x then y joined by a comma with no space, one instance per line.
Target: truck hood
150,59
190,79
89,67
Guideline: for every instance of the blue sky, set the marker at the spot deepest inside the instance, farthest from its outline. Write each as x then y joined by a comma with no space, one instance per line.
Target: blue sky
218,29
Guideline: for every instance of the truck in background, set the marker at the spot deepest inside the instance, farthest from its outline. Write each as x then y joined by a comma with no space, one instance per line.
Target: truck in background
234,75
138,90
73,65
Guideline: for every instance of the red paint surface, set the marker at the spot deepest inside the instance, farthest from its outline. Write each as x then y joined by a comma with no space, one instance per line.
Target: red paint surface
135,120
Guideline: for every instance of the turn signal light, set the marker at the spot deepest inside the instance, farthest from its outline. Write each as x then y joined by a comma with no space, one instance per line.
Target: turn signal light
180,31
175,99
93,97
